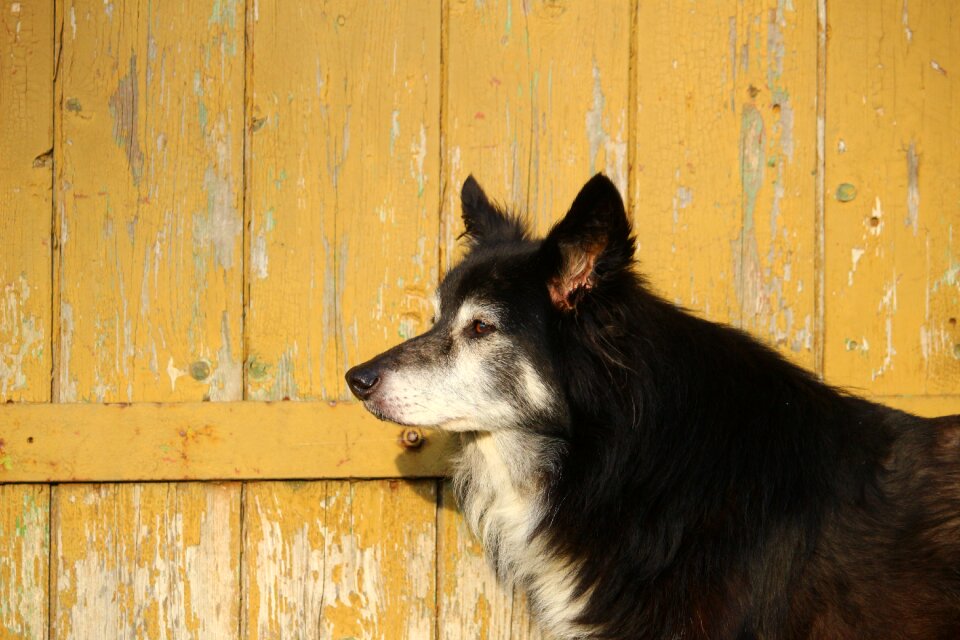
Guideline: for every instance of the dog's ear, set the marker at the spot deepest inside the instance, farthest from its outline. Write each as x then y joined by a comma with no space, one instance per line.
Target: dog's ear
483,221
592,242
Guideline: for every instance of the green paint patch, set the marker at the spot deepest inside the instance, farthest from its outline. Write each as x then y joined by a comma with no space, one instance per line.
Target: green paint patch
6,462
200,370
20,527
846,192
257,369
202,116
956,351
74,105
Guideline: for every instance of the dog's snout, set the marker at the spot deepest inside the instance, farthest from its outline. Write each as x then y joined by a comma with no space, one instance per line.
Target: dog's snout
363,381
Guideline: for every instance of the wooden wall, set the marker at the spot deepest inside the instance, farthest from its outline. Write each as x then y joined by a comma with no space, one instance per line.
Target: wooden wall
213,200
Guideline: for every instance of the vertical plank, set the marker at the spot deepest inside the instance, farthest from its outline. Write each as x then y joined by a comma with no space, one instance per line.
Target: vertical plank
149,181
283,559
344,188
340,560
146,560
24,560
471,603
725,154
535,103
26,210
892,194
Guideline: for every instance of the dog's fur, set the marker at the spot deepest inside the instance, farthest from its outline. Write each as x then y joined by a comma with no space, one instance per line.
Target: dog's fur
643,473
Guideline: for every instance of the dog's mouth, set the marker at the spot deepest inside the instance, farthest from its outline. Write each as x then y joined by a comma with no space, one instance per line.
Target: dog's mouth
386,412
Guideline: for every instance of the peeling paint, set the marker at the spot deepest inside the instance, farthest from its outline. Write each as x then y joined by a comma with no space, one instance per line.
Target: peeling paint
124,105
23,338
913,188
222,224
67,382
747,268
226,380
855,254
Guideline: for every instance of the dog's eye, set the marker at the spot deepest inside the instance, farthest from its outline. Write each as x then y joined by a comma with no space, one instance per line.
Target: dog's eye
481,328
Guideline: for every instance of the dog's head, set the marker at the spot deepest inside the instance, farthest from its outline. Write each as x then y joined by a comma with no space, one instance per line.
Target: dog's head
490,359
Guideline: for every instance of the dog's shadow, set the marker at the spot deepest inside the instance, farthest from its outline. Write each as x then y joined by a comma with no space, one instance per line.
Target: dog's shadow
430,459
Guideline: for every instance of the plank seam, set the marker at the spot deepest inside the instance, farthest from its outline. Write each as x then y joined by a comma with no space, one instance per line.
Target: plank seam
819,224
246,207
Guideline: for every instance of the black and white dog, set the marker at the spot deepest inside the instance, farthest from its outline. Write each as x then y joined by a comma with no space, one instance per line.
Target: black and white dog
643,473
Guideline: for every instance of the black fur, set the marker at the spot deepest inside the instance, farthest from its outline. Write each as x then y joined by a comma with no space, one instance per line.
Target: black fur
706,487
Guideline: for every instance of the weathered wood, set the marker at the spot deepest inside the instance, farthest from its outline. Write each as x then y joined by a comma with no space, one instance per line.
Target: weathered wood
149,181
724,153
26,214
146,561
340,560
24,560
344,188
204,440
892,191
535,103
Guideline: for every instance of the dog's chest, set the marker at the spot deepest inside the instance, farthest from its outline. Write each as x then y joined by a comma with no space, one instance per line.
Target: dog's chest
503,505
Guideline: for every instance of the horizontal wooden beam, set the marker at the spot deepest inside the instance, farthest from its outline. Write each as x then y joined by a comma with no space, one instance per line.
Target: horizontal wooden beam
238,440
211,440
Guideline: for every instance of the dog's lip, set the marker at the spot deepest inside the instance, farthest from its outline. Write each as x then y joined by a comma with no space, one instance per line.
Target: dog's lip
383,414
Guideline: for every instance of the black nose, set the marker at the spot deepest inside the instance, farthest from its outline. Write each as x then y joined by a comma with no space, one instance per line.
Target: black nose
363,381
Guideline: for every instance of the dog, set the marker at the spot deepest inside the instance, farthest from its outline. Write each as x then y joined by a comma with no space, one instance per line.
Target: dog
646,474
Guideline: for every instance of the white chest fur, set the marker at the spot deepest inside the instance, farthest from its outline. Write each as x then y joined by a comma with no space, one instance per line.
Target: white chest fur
498,479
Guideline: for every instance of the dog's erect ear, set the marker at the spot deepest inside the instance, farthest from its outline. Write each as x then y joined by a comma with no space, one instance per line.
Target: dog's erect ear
590,243
484,222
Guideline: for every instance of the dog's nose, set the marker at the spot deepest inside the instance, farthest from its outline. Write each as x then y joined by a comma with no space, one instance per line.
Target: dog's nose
363,381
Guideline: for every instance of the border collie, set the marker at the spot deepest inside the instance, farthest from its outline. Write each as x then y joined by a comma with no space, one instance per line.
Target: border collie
643,473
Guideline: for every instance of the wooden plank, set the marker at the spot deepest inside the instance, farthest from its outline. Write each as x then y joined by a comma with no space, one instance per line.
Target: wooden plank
78,442
146,560
149,180
26,213
24,560
340,560
725,150
536,102
892,188
242,440
344,188
26,207
471,603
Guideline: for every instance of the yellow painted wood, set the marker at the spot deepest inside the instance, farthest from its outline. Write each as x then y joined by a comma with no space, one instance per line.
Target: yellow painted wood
340,560
26,213
344,188
79,442
146,560
149,182
26,207
724,154
283,559
535,103
24,561
893,197
471,602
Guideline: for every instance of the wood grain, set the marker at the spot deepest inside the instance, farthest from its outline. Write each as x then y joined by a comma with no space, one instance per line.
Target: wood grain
344,188
236,440
535,103
340,560
725,151
146,561
26,215
892,193
149,181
